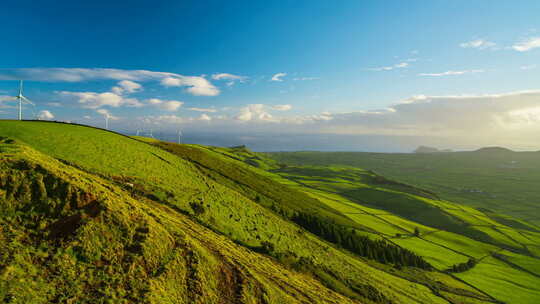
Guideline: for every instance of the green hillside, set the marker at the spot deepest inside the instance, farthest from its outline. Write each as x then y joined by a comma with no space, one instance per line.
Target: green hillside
452,233
331,185
69,236
91,216
499,180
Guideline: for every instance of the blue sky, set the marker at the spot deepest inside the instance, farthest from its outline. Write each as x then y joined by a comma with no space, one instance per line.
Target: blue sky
348,68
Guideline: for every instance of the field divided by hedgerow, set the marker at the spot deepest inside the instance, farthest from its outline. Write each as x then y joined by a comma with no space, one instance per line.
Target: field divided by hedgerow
176,183
505,283
498,180
441,248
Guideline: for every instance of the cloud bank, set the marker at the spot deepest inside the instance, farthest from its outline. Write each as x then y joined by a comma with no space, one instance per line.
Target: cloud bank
511,118
93,100
527,44
230,78
480,44
167,105
451,73
195,85
127,86
400,65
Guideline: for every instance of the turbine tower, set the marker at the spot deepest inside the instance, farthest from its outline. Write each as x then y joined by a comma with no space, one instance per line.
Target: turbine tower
22,99
180,136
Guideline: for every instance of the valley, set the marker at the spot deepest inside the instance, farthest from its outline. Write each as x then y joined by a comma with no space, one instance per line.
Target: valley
90,214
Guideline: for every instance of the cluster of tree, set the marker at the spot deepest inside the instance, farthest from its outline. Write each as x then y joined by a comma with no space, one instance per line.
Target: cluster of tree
463,266
379,250
197,208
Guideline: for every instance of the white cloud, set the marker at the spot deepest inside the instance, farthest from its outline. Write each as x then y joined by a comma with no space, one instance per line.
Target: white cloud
254,112
165,119
494,115
260,112
174,120
244,115
205,117
527,44
251,113
480,44
167,105
87,117
230,78
278,77
209,110
285,107
323,116
45,115
92,100
54,104
400,65
511,119
117,90
172,105
126,86
105,113
451,73
196,85
171,82
227,76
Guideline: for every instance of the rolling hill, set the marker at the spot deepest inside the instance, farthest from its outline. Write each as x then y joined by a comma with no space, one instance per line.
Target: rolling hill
497,179
91,216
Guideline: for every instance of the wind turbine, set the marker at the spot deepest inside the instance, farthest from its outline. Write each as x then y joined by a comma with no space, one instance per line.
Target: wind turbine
180,136
106,115
22,99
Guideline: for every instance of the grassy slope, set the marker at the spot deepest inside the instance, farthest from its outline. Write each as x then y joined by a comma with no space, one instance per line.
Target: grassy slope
102,245
369,189
170,184
166,181
231,166
504,182
434,246
504,282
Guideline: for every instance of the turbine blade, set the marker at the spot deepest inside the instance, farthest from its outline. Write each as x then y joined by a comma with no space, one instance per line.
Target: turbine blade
27,100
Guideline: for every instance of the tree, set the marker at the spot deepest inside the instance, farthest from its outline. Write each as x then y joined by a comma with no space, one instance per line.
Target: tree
416,231
197,208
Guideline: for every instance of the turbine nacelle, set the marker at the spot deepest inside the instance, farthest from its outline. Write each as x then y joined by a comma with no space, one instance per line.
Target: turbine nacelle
22,99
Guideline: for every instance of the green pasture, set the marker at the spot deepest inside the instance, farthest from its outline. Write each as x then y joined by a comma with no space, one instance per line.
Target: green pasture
461,244
440,257
239,201
503,282
502,181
